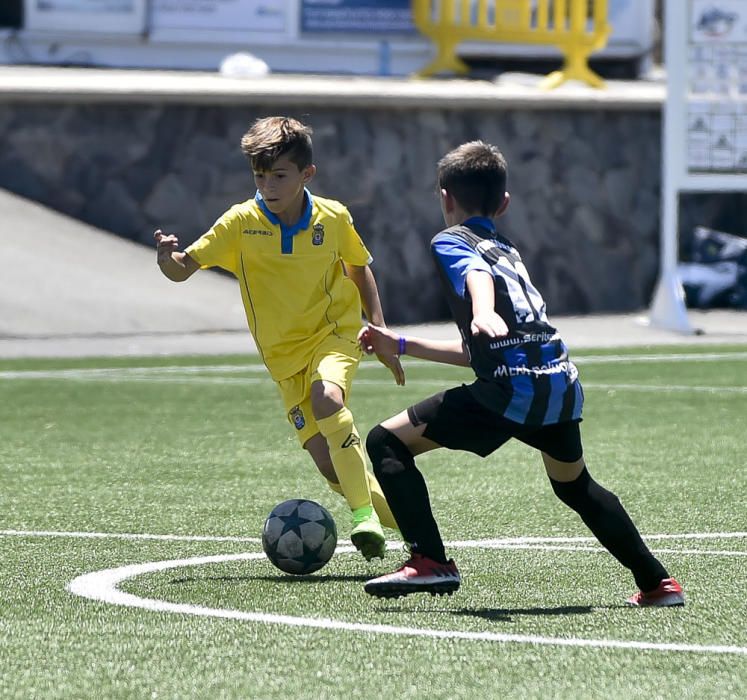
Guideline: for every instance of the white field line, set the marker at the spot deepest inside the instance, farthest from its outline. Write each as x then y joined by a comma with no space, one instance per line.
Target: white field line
131,377
708,552
484,544
203,370
601,550
552,540
664,389
103,585
201,374
669,357
542,544
127,536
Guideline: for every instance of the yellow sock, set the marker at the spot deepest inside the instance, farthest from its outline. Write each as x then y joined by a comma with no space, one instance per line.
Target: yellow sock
379,503
377,497
347,456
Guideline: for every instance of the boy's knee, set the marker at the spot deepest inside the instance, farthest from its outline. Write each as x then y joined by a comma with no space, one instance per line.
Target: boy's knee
582,491
570,492
326,399
387,452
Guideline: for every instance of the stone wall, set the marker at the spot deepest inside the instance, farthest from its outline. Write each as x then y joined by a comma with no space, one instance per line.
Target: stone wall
584,183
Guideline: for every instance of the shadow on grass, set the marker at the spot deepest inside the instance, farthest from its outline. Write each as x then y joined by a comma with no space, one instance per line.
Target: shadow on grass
508,614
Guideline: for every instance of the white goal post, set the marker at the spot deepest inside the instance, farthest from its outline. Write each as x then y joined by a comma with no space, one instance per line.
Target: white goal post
704,126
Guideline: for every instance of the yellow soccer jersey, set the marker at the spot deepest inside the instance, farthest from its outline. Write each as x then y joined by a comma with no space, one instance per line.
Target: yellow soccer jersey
293,284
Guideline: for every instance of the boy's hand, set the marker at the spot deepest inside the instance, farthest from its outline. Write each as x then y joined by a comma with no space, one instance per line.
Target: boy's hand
165,246
489,323
384,344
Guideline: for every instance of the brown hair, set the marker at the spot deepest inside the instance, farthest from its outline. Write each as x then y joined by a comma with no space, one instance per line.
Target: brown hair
272,137
475,174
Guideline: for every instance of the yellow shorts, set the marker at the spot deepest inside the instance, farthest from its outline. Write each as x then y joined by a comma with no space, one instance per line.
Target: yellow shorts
334,360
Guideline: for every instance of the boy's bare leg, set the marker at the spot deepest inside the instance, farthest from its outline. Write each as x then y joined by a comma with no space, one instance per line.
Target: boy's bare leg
563,471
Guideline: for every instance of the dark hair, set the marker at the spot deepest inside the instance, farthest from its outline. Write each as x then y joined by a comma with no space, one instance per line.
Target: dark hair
272,137
475,174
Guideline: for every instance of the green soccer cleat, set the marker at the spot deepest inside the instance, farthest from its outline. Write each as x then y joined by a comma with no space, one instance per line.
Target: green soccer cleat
367,535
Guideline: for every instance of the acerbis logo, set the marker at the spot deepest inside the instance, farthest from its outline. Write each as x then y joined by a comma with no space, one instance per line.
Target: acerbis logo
351,440
256,232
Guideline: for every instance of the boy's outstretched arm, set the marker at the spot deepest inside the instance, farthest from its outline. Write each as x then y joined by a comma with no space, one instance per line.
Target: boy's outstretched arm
364,279
174,265
484,318
383,341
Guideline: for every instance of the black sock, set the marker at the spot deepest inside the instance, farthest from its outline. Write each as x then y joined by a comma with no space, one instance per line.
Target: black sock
406,493
605,516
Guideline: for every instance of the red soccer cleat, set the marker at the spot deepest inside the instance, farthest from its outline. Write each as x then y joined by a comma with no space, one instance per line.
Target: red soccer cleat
419,574
667,594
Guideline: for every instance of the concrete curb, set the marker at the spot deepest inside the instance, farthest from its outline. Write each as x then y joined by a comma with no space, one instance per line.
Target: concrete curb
71,290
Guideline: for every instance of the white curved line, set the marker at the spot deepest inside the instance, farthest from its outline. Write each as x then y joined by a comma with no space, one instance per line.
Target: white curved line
102,586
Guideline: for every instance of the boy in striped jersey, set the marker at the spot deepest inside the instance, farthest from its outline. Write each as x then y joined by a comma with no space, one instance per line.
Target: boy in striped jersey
526,388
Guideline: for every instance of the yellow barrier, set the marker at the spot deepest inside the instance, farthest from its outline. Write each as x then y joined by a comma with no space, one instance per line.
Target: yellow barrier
576,27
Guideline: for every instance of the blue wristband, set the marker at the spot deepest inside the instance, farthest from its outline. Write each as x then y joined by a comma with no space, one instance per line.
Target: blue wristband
402,345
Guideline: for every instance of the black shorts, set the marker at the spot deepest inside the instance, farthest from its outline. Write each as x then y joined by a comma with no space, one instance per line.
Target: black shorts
455,419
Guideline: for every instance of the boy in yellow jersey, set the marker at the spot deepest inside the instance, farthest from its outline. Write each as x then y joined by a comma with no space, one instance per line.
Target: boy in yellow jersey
304,274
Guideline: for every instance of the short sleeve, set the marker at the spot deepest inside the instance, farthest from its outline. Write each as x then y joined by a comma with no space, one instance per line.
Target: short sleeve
219,247
352,249
457,258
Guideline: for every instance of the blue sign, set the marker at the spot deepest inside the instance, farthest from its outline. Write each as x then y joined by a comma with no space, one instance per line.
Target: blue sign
366,16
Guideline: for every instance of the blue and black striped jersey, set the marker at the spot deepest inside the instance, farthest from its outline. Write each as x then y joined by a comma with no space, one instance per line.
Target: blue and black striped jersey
526,375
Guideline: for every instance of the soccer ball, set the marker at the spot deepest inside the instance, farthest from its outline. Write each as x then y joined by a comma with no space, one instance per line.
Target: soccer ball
299,536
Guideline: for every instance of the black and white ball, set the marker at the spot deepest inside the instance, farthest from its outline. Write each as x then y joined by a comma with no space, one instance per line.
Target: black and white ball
299,536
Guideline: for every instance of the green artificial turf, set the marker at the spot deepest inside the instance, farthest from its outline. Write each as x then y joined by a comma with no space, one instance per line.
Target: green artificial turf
123,462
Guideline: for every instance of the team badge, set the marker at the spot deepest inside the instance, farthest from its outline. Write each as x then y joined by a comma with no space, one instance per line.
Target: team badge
295,415
317,238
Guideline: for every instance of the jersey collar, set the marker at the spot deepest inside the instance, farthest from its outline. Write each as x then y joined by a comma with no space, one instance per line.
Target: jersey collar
288,231
481,221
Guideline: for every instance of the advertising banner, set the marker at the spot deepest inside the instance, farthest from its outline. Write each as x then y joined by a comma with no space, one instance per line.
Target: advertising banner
365,16
716,87
102,16
256,16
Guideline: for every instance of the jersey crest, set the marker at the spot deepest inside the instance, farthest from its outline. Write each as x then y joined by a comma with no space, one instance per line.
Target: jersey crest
295,415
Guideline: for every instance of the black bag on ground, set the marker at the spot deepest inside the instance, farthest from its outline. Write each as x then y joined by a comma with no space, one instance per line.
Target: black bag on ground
717,275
